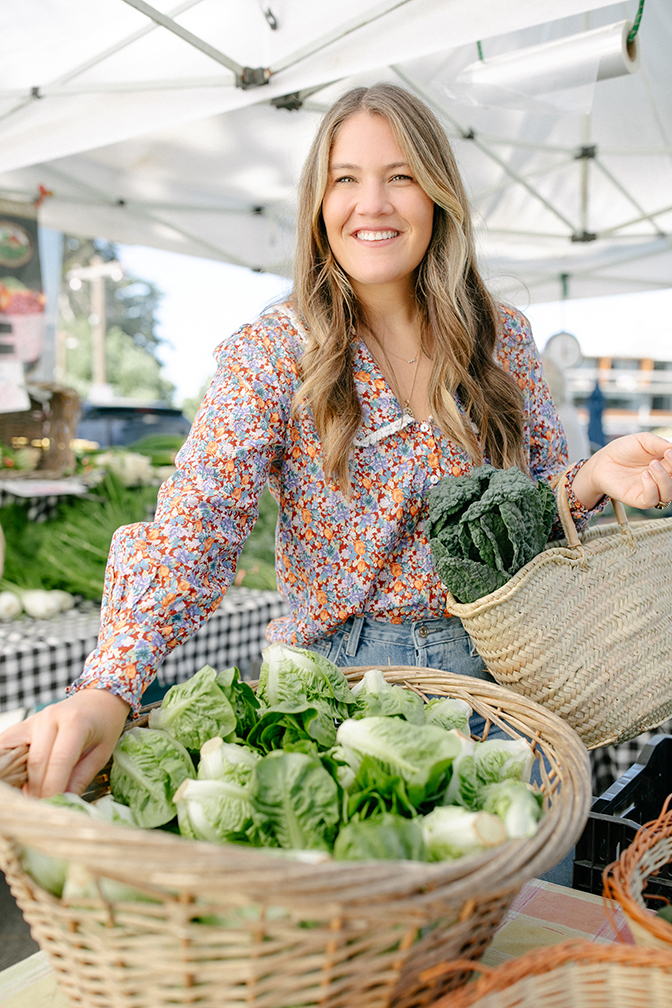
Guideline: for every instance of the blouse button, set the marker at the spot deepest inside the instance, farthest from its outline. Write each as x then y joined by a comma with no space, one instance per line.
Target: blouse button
424,427
434,479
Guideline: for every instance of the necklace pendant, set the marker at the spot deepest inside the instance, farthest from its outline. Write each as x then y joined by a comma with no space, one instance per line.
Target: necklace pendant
408,411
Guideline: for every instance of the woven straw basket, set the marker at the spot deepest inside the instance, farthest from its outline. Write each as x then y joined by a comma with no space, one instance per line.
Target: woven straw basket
625,880
574,974
333,934
585,628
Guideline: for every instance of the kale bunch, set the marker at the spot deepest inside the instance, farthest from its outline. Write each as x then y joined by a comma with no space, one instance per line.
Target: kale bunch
486,526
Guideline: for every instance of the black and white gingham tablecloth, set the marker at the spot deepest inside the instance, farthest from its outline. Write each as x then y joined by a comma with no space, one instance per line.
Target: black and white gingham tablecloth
609,763
39,658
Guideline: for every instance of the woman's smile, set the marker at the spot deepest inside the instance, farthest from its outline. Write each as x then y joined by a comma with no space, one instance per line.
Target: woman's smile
377,217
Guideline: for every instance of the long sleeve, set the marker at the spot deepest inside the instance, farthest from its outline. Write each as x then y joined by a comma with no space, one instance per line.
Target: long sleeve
543,430
166,577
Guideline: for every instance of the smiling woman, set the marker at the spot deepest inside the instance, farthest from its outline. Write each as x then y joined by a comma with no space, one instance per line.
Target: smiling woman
377,217
390,368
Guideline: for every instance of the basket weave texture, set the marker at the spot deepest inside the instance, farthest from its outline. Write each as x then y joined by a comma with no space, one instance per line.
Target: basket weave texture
574,974
347,934
625,880
585,627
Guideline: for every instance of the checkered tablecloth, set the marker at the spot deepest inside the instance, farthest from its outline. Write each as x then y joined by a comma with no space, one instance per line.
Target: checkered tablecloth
609,763
39,658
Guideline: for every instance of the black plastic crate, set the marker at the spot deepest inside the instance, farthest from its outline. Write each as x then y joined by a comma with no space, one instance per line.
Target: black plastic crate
635,798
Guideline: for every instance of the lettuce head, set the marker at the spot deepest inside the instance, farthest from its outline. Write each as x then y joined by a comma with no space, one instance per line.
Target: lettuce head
196,710
148,766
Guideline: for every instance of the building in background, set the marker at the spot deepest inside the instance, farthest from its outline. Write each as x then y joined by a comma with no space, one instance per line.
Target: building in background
637,393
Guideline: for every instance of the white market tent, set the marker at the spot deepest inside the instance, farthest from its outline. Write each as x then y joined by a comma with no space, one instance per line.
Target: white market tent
159,125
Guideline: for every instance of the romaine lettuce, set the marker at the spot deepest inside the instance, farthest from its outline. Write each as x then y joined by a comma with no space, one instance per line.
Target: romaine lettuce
148,766
451,831
375,696
297,675
213,810
195,711
388,837
517,804
420,754
449,713
297,800
227,761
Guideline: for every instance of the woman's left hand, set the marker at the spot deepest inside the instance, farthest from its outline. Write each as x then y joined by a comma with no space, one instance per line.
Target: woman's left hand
635,469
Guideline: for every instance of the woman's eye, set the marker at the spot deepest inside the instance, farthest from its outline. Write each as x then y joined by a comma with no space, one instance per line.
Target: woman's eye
343,178
402,178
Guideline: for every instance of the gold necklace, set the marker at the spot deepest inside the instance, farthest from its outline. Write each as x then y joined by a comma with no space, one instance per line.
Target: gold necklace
406,408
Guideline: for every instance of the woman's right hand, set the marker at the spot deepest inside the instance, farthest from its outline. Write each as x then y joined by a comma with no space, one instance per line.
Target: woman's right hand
69,741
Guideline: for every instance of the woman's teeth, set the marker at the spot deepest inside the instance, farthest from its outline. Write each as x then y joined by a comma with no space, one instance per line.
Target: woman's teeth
376,235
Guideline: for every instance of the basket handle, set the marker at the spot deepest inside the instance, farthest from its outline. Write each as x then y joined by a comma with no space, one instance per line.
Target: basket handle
569,528
13,765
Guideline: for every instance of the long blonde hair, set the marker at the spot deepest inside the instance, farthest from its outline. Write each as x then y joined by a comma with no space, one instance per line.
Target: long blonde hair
454,305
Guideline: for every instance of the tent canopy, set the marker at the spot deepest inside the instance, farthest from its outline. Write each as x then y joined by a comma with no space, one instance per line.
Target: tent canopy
178,127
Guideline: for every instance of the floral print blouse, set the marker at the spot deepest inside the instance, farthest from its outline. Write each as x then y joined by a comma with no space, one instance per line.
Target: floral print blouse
335,557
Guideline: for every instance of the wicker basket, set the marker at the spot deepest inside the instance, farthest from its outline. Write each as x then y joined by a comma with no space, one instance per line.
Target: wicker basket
625,880
574,974
334,934
584,628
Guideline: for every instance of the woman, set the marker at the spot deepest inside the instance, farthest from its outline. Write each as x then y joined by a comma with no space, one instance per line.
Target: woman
391,368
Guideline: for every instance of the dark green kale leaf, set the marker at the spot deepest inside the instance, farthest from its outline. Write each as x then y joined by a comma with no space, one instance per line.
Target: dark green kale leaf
486,526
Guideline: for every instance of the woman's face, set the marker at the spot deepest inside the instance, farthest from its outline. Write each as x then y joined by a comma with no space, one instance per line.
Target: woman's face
378,219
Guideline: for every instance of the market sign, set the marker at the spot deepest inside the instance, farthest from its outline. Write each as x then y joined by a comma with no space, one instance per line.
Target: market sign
22,319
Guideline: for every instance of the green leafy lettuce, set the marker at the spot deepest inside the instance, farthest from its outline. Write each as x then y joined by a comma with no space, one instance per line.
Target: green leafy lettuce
196,710
375,696
421,755
384,837
214,810
148,766
451,831
517,804
297,802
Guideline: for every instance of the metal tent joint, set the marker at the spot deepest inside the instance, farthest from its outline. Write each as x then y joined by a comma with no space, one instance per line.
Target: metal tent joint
584,236
292,102
586,153
251,77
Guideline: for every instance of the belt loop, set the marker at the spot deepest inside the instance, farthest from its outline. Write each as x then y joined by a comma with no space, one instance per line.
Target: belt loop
353,639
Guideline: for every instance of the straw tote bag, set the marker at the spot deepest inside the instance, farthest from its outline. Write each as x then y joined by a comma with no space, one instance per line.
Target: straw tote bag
585,628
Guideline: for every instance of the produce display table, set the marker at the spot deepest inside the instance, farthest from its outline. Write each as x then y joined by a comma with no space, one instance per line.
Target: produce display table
39,658
542,914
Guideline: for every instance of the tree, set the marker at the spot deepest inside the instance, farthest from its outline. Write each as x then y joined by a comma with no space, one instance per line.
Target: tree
132,366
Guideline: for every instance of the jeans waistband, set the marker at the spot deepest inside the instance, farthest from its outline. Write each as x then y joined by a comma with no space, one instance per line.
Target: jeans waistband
397,633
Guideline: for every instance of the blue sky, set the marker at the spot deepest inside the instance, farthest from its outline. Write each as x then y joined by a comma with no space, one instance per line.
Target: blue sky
205,301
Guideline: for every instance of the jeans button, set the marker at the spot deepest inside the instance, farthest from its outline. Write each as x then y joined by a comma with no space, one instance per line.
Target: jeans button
422,631
346,636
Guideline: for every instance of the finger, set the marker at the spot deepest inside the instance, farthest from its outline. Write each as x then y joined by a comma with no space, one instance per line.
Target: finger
86,769
68,747
662,479
18,734
41,743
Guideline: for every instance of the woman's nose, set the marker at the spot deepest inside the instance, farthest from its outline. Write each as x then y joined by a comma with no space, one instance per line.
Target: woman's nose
373,200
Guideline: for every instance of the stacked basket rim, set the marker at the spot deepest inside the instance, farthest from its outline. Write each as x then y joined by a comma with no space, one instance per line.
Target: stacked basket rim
625,879
573,973
309,932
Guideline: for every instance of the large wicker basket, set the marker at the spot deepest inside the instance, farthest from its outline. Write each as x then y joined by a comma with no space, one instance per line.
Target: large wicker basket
625,880
584,628
334,934
574,974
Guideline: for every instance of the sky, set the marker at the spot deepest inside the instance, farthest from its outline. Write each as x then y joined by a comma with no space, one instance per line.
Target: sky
206,301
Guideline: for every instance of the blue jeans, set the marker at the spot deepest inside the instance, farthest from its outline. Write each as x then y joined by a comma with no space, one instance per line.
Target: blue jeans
440,643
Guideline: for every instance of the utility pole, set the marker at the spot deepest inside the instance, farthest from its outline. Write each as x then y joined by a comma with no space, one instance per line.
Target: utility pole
96,273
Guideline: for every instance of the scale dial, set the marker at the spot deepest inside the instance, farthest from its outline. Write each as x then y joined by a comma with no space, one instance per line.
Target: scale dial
564,350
